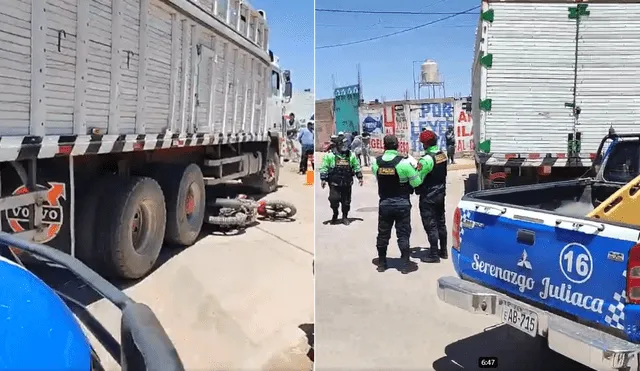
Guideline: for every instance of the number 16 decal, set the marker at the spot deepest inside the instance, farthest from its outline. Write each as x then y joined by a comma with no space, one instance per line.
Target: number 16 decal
576,263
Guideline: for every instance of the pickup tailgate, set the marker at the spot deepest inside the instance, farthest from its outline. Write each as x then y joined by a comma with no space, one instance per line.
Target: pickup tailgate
571,265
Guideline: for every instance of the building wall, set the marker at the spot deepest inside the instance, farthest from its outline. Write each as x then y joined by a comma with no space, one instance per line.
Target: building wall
302,105
324,125
433,114
346,103
463,123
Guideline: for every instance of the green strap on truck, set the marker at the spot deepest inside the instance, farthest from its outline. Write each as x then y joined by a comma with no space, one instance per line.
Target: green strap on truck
580,10
487,15
487,60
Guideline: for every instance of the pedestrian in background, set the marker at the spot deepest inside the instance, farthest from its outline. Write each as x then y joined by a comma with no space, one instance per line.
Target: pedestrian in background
432,168
306,138
292,131
366,154
396,180
450,137
356,147
338,169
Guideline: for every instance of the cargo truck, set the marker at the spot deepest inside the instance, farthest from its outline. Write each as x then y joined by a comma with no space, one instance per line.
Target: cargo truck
116,114
549,79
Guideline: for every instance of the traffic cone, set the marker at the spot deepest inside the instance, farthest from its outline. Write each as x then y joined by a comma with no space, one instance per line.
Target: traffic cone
310,172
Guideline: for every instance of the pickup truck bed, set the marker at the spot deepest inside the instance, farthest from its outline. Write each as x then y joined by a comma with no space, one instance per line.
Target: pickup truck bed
530,256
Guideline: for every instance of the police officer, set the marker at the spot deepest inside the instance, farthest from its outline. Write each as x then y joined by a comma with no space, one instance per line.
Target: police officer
396,180
432,168
338,168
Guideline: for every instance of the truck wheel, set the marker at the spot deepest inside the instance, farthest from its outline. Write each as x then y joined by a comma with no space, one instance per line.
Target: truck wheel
130,227
267,181
184,193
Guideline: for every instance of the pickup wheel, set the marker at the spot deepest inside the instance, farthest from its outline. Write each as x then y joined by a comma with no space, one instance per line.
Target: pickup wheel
130,227
184,192
267,180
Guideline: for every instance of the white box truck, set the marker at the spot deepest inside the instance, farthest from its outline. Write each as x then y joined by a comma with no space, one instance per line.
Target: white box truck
550,78
116,114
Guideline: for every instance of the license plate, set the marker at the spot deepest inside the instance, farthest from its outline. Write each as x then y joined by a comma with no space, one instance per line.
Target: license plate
520,318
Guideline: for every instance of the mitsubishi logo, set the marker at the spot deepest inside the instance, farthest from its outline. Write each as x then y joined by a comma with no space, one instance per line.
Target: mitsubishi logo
523,262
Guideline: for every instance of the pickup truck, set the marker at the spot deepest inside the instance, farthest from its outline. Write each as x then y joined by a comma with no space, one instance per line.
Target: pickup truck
530,256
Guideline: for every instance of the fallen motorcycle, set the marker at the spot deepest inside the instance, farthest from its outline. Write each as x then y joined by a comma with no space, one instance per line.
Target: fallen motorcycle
242,211
41,326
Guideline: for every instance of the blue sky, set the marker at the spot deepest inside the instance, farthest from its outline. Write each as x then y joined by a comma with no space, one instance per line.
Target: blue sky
386,64
291,37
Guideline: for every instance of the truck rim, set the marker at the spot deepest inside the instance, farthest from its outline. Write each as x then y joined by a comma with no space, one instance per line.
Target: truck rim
140,227
191,198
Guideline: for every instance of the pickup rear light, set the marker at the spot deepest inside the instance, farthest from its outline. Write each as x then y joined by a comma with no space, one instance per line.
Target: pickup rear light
633,275
455,230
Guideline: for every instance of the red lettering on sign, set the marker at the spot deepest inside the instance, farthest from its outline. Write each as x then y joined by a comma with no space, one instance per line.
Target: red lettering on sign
376,143
462,131
403,147
463,117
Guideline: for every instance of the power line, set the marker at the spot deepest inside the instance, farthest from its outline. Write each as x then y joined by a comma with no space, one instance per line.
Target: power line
399,32
390,12
379,26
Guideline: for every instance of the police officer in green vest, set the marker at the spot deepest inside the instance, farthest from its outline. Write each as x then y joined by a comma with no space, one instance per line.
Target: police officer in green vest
432,168
396,180
338,169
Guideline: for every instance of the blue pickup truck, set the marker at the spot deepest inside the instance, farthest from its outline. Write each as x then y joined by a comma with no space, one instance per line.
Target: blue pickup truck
529,256
41,328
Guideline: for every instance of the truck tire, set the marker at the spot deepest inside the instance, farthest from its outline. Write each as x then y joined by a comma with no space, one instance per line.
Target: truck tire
130,227
267,180
184,193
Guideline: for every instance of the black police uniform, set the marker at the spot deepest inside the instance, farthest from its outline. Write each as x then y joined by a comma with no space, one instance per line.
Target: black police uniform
340,179
394,208
432,194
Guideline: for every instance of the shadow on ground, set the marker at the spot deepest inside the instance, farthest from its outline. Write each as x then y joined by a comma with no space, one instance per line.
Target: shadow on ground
514,349
351,220
396,263
308,329
67,283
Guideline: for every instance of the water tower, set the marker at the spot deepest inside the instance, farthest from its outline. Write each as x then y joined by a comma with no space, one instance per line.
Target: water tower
431,80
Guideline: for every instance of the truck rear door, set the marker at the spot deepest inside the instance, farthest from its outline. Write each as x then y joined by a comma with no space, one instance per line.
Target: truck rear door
576,266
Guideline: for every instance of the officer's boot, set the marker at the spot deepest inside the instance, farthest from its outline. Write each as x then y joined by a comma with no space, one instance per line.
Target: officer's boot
382,264
334,218
433,256
407,265
443,252
345,218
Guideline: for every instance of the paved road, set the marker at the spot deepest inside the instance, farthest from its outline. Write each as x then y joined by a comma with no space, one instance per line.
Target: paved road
388,321
236,302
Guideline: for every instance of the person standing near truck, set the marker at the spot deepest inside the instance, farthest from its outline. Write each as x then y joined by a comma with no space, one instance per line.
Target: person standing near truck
338,169
450,138
432,168
396,181
307,141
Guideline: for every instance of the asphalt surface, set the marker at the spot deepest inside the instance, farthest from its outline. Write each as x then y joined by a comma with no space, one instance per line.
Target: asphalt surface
236,302
389,321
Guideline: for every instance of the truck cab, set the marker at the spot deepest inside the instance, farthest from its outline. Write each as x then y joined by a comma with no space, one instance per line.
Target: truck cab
280,86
